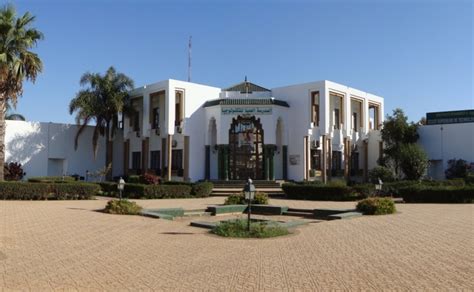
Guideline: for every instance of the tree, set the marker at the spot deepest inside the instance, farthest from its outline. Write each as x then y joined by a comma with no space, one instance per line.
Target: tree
457,168
100,102
17,63
413,161
396,132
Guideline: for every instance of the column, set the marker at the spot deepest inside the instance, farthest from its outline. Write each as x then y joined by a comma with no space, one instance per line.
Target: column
170,140
186,159
329,159
225,149
305,160
346,162
126,156
207,165
145,130
145,151
324,160
366,160
284,158
163,157
349,158
269,156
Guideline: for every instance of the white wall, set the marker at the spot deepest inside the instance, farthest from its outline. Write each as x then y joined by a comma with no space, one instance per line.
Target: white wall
38,146
453,141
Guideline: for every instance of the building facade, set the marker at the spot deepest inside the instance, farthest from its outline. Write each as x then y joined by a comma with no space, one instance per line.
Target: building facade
313,131
446,136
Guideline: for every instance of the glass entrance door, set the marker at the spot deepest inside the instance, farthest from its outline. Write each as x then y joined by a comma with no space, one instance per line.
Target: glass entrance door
246,148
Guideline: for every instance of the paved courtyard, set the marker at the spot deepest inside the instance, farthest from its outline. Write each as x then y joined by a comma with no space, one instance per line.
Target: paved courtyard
66,245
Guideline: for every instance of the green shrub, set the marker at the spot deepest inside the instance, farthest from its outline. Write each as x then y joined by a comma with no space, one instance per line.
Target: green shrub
457,168
108,188
13,171
134,191
202,189
393,188
437,194
382,172
167,191
238,228
51,179
133,179
74,191
318,192
234,199
413,161
376,206
237,199
364,190
123,207
178,183
469,180
47,191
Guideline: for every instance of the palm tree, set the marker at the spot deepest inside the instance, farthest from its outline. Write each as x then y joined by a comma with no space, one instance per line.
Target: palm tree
100,102
17,62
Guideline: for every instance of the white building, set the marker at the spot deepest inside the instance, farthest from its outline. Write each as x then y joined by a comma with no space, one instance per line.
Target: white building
446,136
47,149
189,131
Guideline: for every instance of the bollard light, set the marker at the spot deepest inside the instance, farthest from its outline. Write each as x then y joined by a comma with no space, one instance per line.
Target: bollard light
121,187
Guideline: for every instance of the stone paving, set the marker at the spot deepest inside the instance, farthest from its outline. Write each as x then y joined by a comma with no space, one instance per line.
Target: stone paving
66,245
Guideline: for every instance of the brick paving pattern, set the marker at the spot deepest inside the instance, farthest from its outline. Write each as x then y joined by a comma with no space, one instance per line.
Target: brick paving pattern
66,245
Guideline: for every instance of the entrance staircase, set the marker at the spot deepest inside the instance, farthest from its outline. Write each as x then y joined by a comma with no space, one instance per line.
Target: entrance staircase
229,187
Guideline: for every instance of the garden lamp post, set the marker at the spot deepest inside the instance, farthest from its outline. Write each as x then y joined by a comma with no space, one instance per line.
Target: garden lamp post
249,192
120,187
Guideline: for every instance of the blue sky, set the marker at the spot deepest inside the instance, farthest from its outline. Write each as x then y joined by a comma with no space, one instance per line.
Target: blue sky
418,55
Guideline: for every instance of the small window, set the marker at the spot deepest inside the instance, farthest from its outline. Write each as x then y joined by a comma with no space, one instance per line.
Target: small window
315,108
155,161
337,123
136,160
354,122
336,160
136,121
354,163
156,118
178,108
315,159
177,160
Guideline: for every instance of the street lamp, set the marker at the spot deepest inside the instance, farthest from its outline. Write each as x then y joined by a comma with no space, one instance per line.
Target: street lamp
249,192
120,187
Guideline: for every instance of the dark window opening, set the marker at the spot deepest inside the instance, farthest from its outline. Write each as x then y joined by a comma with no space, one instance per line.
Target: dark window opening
156,118
337,123
155,159
177,162
315,159
136,161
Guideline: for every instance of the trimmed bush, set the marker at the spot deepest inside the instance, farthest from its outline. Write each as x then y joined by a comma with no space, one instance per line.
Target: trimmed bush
202,189
376,206
319,192
238,199
13,171
382,172
134,191
51,179
238,228
437,194
133,179
364,190
44,191
108,188
167,191
122,207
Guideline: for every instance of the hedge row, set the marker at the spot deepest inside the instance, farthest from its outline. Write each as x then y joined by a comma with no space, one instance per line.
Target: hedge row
162,191
321,192
51,179
437,194
47,191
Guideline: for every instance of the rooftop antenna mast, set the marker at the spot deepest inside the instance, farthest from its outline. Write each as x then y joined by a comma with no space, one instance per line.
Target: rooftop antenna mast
189,58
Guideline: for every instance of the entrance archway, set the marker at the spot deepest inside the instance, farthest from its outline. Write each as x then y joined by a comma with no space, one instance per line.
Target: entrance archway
245,148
